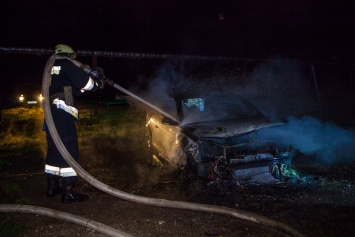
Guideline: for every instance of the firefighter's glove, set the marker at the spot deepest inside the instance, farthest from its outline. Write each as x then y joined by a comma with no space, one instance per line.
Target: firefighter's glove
100,84
100,73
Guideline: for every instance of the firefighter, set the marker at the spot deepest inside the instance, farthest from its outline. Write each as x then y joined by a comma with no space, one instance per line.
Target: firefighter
68,81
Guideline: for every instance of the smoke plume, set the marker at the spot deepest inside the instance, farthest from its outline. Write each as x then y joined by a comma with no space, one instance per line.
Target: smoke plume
282,90
325,141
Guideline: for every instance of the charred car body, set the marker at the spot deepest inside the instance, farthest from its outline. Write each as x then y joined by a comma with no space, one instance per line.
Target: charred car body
216,137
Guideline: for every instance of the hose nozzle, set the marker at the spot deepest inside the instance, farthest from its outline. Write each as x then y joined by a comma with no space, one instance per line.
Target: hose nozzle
93,74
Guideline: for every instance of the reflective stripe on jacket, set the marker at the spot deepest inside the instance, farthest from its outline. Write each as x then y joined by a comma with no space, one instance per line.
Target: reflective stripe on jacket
69,109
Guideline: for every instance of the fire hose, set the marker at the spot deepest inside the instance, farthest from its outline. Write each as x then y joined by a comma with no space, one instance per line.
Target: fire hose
97,226
248,216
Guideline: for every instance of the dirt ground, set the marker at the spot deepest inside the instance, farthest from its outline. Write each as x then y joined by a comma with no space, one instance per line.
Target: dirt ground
321,202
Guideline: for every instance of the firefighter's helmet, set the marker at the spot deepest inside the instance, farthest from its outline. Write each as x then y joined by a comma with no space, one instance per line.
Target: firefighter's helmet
63,48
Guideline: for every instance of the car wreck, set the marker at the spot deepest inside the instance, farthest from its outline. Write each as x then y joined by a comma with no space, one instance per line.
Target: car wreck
216,137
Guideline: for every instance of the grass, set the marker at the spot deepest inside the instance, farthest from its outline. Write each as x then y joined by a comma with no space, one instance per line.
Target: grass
16,150
21,132
13,194
21,114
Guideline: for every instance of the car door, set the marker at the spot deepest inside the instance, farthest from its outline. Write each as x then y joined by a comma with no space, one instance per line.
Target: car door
163,132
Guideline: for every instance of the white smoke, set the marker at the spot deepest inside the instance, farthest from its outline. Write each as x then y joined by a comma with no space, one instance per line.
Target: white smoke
326,141
280,89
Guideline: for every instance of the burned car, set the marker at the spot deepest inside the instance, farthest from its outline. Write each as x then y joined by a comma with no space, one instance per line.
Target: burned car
215,137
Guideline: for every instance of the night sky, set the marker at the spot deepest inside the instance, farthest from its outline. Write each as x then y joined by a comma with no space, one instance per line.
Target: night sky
254,28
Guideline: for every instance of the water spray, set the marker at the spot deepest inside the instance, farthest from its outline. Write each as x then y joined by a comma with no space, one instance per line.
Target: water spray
143,101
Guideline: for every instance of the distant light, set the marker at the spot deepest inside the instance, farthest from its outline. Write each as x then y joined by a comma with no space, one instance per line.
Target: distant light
40,97
21,98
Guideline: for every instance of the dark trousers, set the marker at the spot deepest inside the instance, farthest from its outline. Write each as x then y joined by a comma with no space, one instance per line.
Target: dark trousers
65,125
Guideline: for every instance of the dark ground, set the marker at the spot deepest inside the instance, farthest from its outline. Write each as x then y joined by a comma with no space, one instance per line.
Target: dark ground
321,204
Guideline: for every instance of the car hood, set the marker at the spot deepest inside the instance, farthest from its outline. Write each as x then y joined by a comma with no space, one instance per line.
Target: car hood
226,128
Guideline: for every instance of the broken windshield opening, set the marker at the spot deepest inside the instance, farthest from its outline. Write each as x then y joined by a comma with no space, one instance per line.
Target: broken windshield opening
217,108
195,103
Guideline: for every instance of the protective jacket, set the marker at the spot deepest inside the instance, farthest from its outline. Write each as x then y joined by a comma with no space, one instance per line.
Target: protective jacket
65,74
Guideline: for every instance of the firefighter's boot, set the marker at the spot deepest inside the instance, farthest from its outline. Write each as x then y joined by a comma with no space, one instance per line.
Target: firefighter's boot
69,192
53,187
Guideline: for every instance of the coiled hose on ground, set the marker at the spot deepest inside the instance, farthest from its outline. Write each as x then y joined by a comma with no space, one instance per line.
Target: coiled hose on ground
252,217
